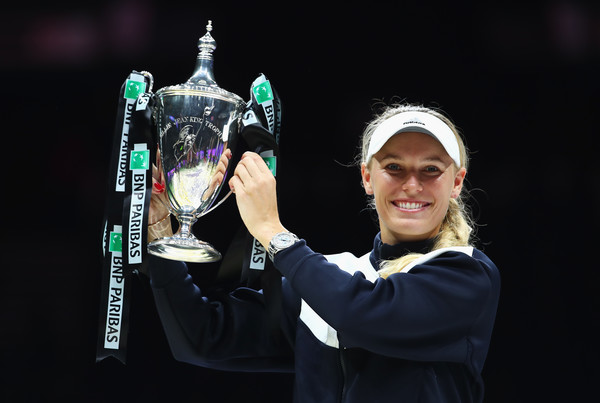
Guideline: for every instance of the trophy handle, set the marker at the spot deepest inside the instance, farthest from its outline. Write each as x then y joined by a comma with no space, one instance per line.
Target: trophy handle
216,205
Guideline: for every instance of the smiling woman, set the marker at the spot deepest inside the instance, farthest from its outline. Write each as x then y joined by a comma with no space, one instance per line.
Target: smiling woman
409,321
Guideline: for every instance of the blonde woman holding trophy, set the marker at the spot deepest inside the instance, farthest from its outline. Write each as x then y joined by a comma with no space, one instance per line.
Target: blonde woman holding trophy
409,321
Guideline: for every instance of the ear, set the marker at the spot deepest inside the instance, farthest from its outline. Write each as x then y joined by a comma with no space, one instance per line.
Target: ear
366,179
458,182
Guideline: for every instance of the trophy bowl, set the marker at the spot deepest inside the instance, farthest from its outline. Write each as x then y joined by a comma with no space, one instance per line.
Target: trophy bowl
195,122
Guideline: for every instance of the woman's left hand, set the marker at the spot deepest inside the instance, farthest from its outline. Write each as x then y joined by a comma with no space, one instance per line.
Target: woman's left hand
255,192
159,223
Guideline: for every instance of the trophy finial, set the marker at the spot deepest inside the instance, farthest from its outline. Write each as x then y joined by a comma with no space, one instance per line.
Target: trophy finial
207,44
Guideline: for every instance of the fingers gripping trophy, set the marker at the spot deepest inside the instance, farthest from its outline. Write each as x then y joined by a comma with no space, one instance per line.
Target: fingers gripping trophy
196,123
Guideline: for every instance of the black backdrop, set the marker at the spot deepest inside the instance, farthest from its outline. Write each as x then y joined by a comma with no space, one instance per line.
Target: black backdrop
519,80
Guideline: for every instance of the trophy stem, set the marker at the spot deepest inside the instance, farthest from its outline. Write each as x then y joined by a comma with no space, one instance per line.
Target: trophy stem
184,246
186,221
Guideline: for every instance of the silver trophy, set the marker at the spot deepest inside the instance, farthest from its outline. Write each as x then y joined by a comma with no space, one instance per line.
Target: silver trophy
196,122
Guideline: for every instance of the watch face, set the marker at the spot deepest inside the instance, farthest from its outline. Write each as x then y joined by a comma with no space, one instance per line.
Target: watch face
284,240
281,241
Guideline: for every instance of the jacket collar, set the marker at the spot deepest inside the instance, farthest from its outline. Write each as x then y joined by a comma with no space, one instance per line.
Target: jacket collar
382,251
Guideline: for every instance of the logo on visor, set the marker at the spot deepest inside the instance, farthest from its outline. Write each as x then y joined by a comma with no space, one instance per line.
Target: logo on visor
414,121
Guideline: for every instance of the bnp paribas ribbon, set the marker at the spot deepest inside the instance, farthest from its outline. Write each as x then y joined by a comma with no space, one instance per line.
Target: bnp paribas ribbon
192,124
125,217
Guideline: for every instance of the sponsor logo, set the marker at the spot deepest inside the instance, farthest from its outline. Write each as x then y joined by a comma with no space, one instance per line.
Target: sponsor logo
116,289
263,92
140,159
134,86
259,256
272,164
139,163
116,242
133,89
413,122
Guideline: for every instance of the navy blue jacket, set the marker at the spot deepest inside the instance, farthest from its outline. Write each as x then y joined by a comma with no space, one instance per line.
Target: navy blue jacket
419,336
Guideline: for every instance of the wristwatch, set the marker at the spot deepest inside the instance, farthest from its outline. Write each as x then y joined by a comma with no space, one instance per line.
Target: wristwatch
281,241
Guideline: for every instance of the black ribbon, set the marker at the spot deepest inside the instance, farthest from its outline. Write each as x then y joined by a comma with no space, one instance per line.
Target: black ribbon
124,206
261,131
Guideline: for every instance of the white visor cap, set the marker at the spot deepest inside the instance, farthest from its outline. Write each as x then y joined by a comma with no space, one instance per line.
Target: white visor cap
412,121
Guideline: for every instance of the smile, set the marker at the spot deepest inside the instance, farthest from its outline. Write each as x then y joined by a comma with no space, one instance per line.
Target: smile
410,205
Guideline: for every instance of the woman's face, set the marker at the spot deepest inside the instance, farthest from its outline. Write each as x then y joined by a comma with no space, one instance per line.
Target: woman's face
412,179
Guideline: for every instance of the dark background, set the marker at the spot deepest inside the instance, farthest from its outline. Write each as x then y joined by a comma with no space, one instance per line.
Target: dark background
520,80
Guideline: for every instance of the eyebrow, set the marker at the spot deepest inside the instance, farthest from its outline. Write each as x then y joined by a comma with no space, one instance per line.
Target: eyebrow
433,158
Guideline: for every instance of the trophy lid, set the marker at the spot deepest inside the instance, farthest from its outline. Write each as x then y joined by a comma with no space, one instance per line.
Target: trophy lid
203,73
207,44
202,82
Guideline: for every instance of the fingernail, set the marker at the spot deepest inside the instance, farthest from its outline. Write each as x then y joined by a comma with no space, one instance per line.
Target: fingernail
159,187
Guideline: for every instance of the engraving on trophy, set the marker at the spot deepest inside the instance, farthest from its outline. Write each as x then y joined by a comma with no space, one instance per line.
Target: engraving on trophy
187,136
185,144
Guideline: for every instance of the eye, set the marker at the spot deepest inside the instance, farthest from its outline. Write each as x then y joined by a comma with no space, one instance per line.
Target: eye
392,167
432,169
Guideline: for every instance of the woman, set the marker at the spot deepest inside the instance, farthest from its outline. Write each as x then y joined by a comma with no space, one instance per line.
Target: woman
410,321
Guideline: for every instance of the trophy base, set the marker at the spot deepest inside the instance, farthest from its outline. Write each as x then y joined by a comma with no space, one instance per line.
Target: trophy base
184,249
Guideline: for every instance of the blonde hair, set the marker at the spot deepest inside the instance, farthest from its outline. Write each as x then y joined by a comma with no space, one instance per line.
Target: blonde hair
457,226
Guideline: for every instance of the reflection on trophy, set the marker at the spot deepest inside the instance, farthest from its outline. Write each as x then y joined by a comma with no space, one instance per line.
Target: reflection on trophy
196,122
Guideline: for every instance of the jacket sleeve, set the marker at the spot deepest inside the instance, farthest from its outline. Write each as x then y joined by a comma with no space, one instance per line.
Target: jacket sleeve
425,314
229,331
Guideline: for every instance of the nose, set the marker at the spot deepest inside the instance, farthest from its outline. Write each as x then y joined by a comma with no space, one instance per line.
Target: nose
412,185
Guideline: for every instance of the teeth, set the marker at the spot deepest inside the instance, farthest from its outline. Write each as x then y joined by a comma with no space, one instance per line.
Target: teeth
410,206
